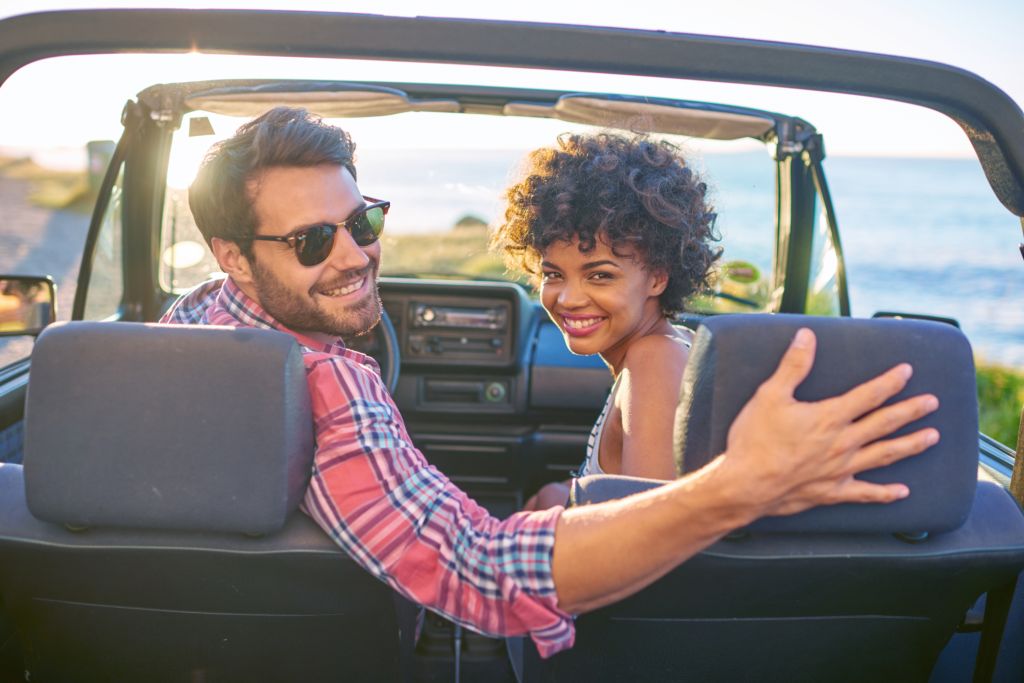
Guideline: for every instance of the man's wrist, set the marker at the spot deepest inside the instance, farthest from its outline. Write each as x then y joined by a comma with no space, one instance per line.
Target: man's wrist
736,499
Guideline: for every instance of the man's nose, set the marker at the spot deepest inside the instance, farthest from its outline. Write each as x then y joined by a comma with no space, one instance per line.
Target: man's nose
346,254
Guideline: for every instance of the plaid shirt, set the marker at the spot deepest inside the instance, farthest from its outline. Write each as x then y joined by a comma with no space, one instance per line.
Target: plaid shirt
393,512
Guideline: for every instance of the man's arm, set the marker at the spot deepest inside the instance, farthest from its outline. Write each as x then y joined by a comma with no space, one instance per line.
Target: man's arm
407,524
782,456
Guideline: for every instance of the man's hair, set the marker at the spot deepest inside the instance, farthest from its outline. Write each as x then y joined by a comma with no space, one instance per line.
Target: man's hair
635,192
221,196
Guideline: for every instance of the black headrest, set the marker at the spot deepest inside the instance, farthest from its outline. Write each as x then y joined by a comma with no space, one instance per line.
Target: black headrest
195,428
733,354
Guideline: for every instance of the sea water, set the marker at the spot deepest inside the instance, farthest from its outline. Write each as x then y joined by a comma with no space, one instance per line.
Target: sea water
919,235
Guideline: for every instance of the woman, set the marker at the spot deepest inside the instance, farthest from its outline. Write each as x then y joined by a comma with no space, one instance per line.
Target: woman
617,231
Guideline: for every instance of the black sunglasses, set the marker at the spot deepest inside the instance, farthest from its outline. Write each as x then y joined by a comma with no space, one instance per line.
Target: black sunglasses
313,245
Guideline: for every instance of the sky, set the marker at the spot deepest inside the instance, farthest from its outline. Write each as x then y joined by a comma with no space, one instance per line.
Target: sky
982,36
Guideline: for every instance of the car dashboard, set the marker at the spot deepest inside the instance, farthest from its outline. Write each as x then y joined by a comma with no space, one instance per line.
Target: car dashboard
488,389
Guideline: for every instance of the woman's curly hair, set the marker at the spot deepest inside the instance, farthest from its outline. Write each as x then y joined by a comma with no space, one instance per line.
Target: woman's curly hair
634,192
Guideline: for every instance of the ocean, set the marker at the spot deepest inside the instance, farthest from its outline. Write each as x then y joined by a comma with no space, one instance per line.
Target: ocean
919,235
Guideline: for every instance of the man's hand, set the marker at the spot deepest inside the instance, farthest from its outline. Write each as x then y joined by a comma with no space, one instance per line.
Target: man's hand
782,456
798,455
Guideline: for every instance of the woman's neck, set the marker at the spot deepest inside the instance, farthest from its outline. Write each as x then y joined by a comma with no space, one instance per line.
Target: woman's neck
615,356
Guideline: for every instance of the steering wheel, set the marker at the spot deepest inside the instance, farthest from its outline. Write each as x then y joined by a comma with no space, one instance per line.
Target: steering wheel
382,344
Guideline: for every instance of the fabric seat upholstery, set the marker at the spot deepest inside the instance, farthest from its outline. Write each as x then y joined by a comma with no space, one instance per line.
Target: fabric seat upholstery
838,594
179,456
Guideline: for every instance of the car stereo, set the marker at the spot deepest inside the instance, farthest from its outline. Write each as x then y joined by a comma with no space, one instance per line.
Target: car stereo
494,317
447,331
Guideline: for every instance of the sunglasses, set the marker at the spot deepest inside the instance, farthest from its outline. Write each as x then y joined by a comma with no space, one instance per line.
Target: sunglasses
313,245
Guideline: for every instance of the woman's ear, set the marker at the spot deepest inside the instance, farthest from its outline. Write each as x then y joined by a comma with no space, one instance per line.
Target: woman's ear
658,283
231,260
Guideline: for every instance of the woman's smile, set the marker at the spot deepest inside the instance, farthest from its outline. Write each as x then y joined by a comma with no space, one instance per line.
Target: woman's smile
581,325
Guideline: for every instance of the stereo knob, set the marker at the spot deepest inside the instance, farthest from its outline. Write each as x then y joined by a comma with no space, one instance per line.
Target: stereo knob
495,392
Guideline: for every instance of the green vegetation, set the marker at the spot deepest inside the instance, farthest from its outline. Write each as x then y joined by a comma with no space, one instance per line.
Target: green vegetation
460,251
1000,397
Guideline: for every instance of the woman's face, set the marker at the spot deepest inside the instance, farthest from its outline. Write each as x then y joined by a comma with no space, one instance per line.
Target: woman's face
599,299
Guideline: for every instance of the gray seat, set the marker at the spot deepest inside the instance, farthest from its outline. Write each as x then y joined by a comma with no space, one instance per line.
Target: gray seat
848,593
153,533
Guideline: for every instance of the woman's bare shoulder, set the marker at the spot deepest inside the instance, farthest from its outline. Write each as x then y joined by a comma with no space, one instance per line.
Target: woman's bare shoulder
656,353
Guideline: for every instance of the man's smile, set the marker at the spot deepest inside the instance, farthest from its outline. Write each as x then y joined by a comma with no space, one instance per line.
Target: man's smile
351,287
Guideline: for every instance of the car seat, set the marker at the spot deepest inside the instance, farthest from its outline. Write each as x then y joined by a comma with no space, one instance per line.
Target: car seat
843,593
153,534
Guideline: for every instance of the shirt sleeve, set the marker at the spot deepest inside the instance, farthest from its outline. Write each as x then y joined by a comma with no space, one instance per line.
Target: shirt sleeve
408,525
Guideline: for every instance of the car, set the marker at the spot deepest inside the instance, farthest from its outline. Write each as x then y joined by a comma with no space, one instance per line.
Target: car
487,388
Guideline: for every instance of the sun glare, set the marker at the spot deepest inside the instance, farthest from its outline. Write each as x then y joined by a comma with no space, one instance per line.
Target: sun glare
51,84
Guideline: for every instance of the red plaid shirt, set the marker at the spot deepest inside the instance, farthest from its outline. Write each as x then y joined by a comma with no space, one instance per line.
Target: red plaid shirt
392,511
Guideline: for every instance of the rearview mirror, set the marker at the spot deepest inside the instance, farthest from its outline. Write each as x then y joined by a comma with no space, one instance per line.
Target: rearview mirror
27,304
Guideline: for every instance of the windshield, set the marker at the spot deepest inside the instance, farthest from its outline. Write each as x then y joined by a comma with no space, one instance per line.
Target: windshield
445,175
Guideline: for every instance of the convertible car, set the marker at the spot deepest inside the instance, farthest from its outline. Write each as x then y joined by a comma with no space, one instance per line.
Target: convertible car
126,555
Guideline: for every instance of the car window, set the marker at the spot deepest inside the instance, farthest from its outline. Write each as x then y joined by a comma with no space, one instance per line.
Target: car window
445,199
106,283
823,280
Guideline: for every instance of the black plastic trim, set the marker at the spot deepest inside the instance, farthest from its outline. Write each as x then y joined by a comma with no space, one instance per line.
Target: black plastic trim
817,154
131,119
796,224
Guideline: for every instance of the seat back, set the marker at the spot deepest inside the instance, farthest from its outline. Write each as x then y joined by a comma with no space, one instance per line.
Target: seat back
846,593
153,533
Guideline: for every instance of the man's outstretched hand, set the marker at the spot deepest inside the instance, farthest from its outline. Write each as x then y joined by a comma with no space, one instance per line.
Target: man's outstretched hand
782,456
797,455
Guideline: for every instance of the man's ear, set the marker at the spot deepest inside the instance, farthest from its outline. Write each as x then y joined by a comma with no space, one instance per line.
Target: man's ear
231,260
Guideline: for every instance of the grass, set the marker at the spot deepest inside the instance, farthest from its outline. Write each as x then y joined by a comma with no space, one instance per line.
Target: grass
461,250
1000,397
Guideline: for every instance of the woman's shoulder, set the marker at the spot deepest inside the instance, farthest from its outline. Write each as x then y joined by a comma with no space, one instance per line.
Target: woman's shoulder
656,351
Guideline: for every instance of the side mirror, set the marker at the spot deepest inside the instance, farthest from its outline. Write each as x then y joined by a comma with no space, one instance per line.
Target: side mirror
27,304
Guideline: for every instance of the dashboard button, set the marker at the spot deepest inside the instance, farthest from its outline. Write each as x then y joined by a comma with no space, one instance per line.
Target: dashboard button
495,392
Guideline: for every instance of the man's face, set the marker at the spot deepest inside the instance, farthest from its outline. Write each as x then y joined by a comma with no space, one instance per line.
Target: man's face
337,297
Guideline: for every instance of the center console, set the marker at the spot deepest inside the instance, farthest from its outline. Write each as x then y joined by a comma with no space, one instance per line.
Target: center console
460,346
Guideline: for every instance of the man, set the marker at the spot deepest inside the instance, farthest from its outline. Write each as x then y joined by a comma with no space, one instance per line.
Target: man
279,206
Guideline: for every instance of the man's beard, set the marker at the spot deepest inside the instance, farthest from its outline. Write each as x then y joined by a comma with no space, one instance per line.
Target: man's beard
299,311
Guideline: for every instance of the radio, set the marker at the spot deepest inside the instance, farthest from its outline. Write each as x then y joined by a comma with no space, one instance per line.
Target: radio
446,332
429,315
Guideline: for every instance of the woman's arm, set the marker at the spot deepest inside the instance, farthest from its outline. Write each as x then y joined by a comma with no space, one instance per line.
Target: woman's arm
549,495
